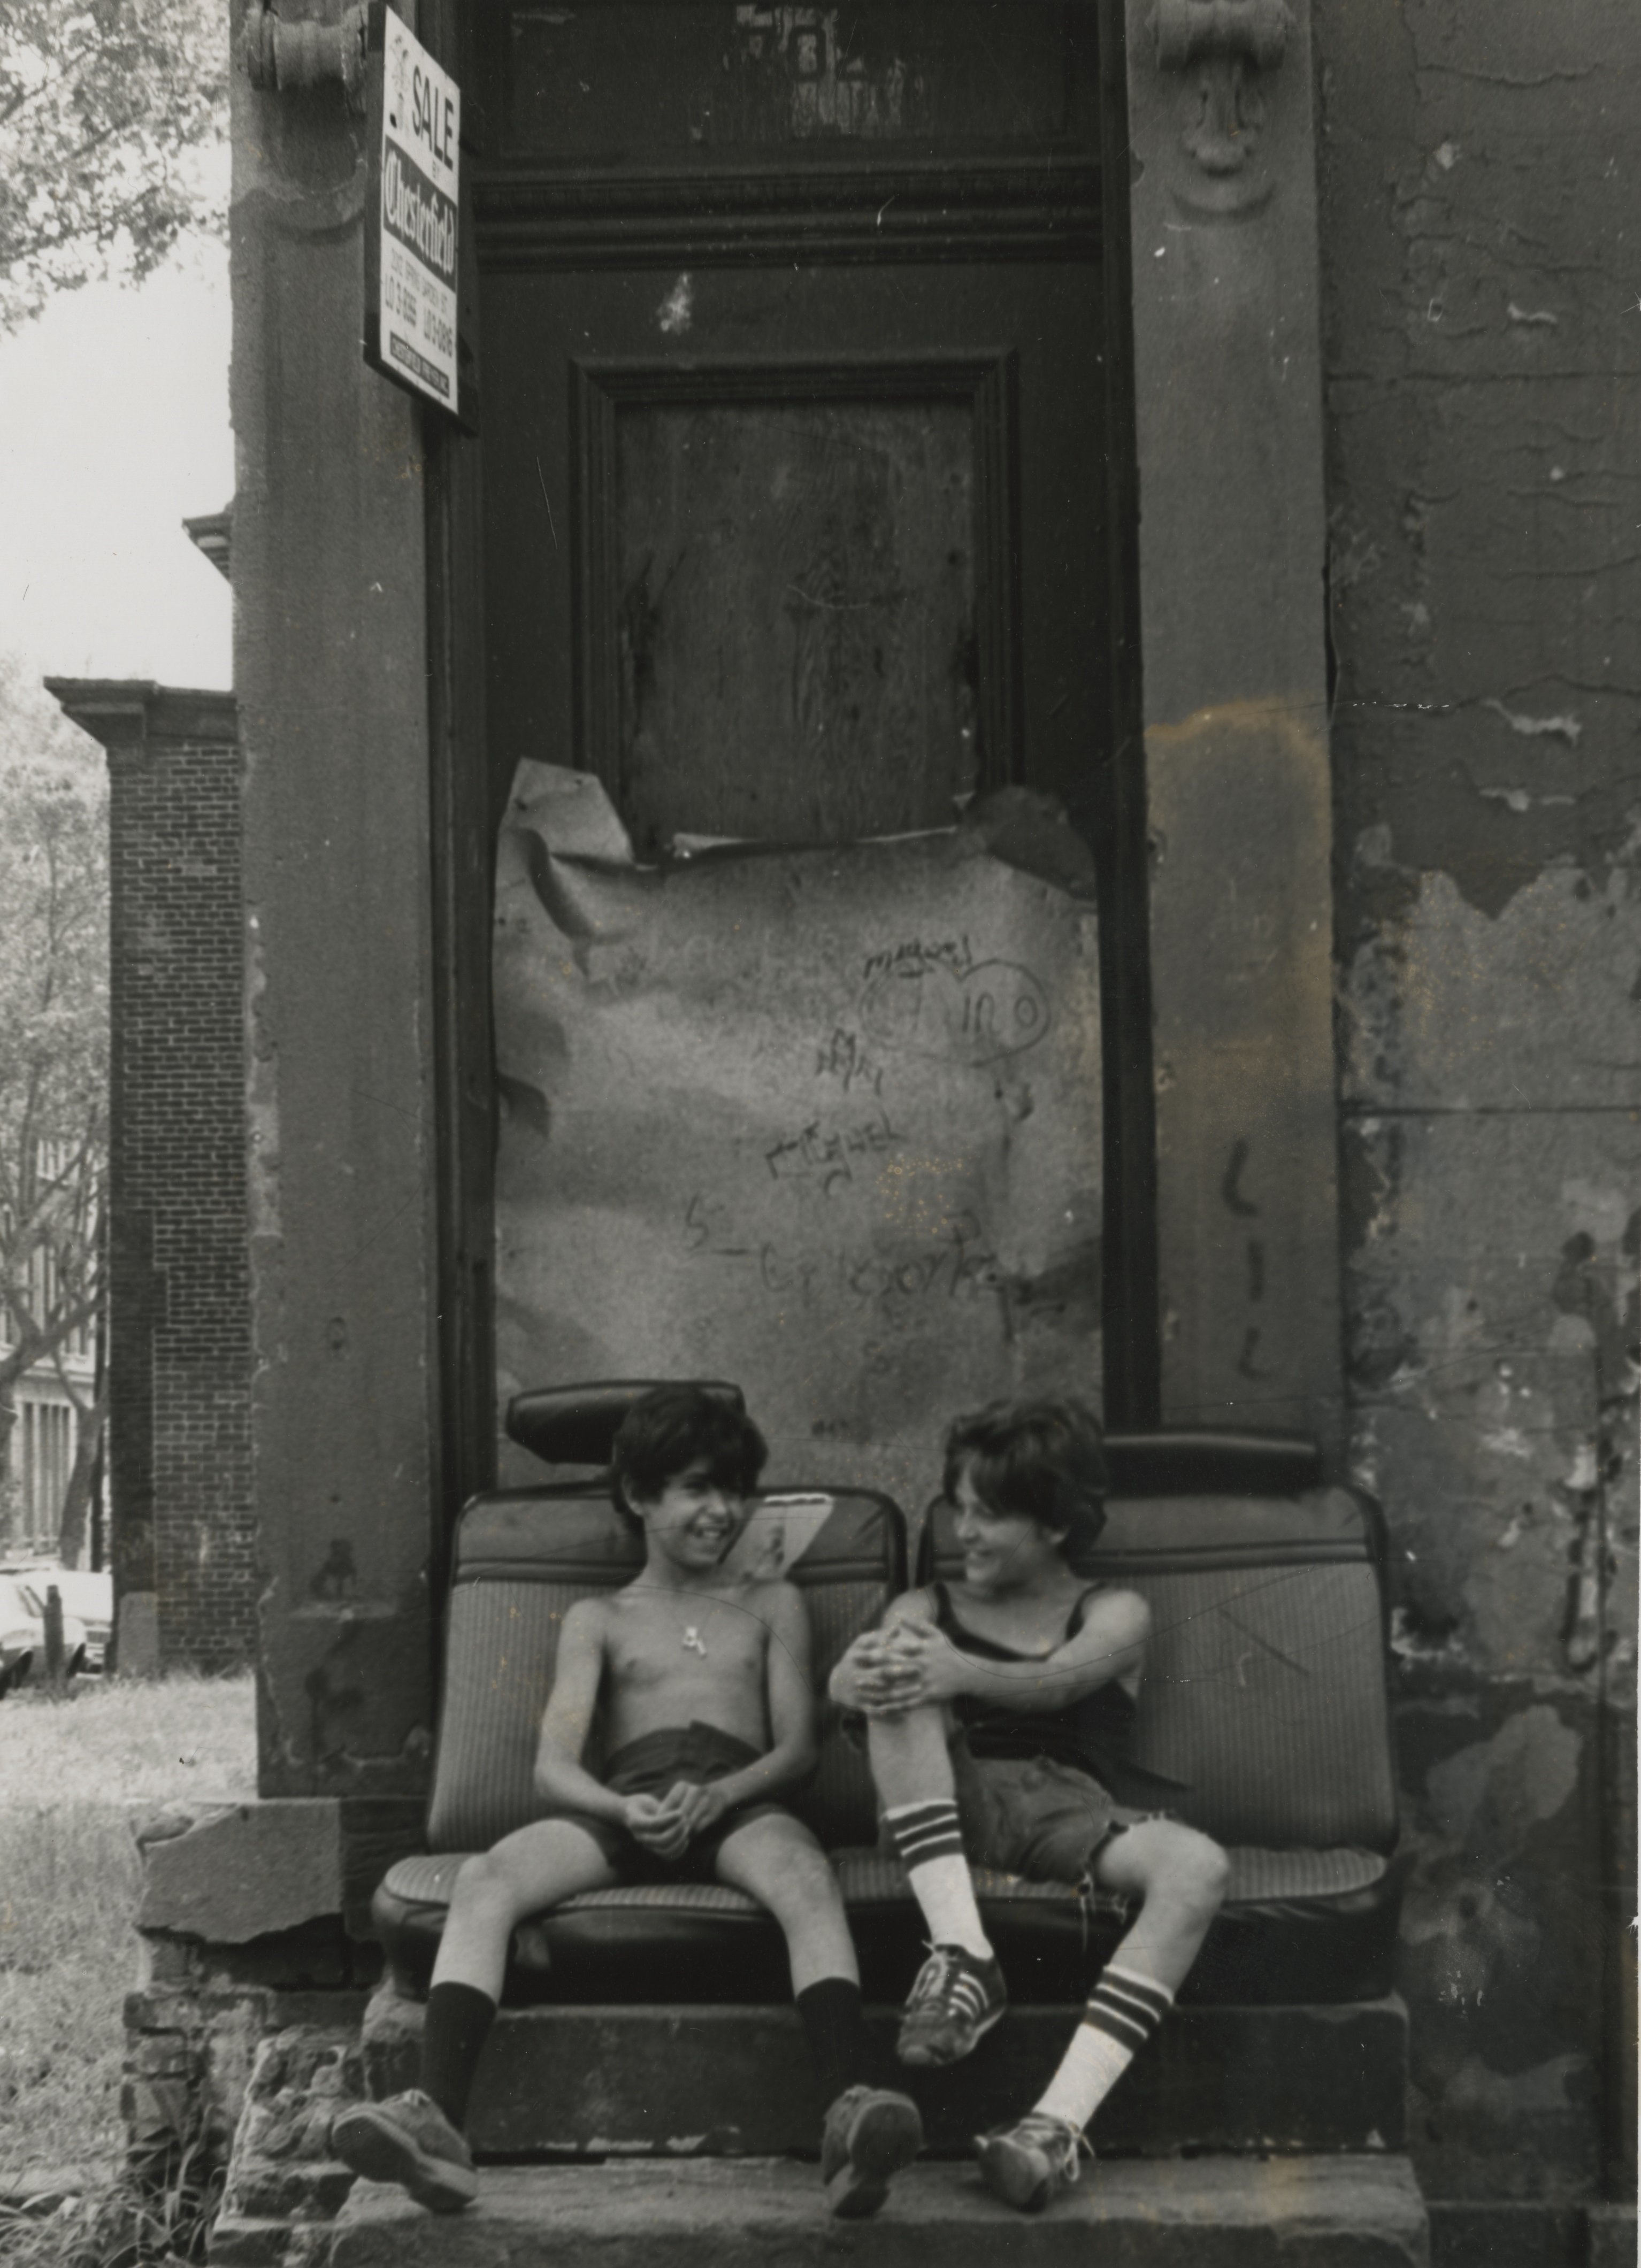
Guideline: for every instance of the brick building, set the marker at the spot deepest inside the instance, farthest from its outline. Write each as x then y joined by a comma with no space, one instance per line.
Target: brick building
178,1351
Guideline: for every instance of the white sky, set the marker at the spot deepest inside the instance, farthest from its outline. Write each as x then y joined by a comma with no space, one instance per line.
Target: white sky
114,426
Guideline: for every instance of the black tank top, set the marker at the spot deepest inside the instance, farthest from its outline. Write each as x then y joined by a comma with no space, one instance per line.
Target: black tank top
1093,1735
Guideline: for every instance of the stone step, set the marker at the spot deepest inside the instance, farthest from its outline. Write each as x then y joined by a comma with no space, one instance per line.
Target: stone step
688,2080
1202,2213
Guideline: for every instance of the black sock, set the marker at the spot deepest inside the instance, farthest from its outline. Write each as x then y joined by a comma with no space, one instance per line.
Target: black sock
836,2034
459,2021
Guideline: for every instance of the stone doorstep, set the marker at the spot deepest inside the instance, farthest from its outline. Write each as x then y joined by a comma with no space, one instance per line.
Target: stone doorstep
1204,2212
690,2080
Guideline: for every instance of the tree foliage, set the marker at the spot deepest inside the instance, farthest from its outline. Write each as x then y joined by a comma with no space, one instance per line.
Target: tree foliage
54,1035
114,127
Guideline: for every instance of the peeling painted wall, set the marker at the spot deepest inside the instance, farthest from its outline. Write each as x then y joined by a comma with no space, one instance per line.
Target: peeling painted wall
1481,233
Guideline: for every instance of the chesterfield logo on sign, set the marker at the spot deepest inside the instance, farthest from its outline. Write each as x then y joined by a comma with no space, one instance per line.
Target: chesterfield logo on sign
415,306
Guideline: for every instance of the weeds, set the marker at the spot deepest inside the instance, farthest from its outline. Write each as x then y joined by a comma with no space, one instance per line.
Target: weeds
73,1770
156,2213
68,1957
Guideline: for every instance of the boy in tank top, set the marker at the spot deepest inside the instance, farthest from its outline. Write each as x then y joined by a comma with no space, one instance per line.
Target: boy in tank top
998,1711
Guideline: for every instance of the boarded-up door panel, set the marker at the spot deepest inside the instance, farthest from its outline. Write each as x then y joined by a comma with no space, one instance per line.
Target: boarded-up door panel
825,1122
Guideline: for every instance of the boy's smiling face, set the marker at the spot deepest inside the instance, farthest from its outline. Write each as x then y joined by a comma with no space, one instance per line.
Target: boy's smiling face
1002,1550
694,1519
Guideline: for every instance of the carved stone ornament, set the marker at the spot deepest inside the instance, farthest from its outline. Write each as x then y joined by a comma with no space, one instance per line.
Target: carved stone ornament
1226,49
274,54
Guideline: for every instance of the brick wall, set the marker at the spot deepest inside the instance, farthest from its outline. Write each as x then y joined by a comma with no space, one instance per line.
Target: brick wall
179,1340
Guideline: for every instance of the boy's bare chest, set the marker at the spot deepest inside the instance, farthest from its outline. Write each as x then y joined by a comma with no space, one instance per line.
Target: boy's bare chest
693,1639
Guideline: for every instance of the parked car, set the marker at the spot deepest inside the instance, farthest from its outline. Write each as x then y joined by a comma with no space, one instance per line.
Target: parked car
87,1596
23,1637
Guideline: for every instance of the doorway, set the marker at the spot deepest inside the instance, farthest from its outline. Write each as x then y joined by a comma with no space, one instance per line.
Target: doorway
807,485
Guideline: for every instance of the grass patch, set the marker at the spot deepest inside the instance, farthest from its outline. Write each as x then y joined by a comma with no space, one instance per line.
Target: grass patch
73,1770
68,1957
130,1740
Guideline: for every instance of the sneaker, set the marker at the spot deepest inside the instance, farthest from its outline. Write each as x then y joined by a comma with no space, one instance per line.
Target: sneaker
407,2139
1031,2161
869,2134
954,2003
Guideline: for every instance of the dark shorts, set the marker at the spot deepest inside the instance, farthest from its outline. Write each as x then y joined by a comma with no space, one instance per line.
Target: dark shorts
1035,1816
699,1753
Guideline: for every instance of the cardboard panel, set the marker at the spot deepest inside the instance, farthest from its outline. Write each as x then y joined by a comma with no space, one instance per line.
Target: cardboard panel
822,1122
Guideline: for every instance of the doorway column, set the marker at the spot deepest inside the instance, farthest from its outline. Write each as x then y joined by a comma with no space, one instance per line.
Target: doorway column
1232,525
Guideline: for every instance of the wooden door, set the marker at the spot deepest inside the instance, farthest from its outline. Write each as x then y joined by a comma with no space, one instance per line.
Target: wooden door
801,505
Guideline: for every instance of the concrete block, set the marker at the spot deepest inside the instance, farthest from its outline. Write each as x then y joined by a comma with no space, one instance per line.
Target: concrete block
252,1871
1204,2213
737,2081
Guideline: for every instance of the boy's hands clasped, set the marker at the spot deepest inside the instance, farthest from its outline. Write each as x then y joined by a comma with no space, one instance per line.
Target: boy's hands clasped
667,1824
888,1672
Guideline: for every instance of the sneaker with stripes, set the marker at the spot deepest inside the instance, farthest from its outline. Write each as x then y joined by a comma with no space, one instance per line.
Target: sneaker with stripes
1029,2162
954,2003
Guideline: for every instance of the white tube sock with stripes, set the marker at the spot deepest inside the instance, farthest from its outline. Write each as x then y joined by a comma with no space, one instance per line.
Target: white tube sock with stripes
1123,2011
931,1847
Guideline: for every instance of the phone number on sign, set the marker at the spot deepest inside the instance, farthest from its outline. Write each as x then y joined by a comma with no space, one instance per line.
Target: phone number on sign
411,314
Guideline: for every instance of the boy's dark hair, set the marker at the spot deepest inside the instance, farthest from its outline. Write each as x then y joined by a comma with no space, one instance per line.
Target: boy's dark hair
672,1427
1045,1460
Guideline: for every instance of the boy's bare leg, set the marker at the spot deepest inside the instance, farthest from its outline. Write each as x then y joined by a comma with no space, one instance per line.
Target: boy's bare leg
1180,1877
777,1860
869,2134
911,1757
912,1765
524,1873
416,2139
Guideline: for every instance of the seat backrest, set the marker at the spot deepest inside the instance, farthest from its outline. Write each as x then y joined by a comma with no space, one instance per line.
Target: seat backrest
524,1557
578,1425
1264,1686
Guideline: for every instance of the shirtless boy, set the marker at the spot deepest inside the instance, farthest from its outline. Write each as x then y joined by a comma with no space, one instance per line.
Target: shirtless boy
997,1715
702,1683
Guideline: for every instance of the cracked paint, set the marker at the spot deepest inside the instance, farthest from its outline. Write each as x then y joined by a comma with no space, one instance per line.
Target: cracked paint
1485,583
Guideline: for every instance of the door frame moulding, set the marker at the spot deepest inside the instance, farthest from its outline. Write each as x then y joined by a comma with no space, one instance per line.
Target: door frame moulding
739,216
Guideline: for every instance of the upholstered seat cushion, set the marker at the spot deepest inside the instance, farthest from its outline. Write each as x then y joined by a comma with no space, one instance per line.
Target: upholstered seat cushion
1264,1693
1299,1925
1264,1687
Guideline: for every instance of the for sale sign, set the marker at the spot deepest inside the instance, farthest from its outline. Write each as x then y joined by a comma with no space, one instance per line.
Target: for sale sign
411,310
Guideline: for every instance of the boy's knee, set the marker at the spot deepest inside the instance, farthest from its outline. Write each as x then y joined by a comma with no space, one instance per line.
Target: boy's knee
799,1878
1179,1867
479,1879
806,1869
1204,1874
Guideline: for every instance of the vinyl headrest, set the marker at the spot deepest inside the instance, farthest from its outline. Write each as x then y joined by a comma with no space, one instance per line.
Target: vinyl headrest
577,1425
1212,1460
